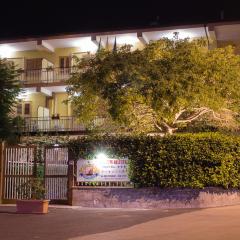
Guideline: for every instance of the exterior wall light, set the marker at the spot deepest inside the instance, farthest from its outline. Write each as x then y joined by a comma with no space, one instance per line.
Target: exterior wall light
6,51
85,45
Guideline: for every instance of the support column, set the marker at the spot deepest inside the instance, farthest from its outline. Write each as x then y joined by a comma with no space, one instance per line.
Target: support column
71,167
69,108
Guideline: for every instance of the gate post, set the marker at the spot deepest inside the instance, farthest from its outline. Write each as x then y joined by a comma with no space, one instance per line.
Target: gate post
70,181
1,170
70,176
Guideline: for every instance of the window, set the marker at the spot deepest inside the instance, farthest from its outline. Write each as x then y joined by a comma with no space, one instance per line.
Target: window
19,109
24,109
64,62
34,64
27,109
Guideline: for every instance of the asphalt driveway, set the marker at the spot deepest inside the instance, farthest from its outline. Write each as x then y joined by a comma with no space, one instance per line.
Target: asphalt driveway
73,223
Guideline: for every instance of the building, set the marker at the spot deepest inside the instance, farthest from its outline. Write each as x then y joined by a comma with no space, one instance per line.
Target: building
46,63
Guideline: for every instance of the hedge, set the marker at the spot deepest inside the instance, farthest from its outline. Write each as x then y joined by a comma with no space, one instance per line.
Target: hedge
183,160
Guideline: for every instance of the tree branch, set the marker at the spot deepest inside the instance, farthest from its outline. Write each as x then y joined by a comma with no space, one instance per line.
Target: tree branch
177,115
170,130
216,117
157,126
200,112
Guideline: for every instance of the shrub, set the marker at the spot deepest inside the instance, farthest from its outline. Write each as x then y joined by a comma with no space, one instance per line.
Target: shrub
183,160
32,189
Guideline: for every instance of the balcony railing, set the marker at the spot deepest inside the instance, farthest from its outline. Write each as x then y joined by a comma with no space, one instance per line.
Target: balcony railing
48,124
45,75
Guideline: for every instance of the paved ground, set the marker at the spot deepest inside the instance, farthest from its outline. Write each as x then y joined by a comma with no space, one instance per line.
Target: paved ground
69,223
121,224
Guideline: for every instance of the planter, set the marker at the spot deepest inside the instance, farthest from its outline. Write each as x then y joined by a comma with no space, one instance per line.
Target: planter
32,206
55,117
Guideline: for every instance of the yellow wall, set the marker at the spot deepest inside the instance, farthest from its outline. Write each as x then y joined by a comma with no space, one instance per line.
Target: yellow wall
36,99
60,108
56,105
46,63
53,57
18,62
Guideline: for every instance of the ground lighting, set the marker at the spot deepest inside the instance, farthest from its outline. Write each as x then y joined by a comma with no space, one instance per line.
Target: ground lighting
100,159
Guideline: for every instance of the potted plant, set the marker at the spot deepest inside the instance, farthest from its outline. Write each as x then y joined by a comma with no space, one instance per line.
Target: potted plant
49,68
55,116
32,193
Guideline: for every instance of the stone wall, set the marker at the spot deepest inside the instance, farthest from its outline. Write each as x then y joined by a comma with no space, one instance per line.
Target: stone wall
154,197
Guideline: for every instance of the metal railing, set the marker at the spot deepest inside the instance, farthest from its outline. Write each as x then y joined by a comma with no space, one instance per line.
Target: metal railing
49,124
45,75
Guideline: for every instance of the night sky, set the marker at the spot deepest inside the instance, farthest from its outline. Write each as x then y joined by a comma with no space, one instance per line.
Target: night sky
37,18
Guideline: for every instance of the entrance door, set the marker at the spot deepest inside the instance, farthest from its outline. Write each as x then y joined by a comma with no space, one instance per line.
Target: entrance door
44,123
33,70
56,174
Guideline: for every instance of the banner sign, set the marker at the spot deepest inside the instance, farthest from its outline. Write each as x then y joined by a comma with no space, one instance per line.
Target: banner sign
97,170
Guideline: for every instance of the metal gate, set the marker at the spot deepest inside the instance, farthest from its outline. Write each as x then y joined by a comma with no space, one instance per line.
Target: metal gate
18,167
56,174
18,164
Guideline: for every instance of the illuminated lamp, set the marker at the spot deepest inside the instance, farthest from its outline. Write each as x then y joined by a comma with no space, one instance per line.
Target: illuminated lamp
85,45
6,51
101,156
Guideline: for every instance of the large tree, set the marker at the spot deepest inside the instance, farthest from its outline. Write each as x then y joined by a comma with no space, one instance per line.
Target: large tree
9,90
167,84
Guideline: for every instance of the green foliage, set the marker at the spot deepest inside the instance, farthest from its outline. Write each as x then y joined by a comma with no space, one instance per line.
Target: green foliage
181,160
168,83
9,90
32,189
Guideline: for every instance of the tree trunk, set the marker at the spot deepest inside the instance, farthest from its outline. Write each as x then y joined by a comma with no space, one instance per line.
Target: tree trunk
169,130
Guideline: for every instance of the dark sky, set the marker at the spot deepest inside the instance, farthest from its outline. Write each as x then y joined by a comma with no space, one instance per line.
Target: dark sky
37,18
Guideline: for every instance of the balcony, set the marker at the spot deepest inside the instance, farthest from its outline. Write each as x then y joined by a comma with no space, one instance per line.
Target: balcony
49,124
45,76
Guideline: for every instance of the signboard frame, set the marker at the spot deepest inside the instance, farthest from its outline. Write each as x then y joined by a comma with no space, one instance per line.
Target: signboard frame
102,170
